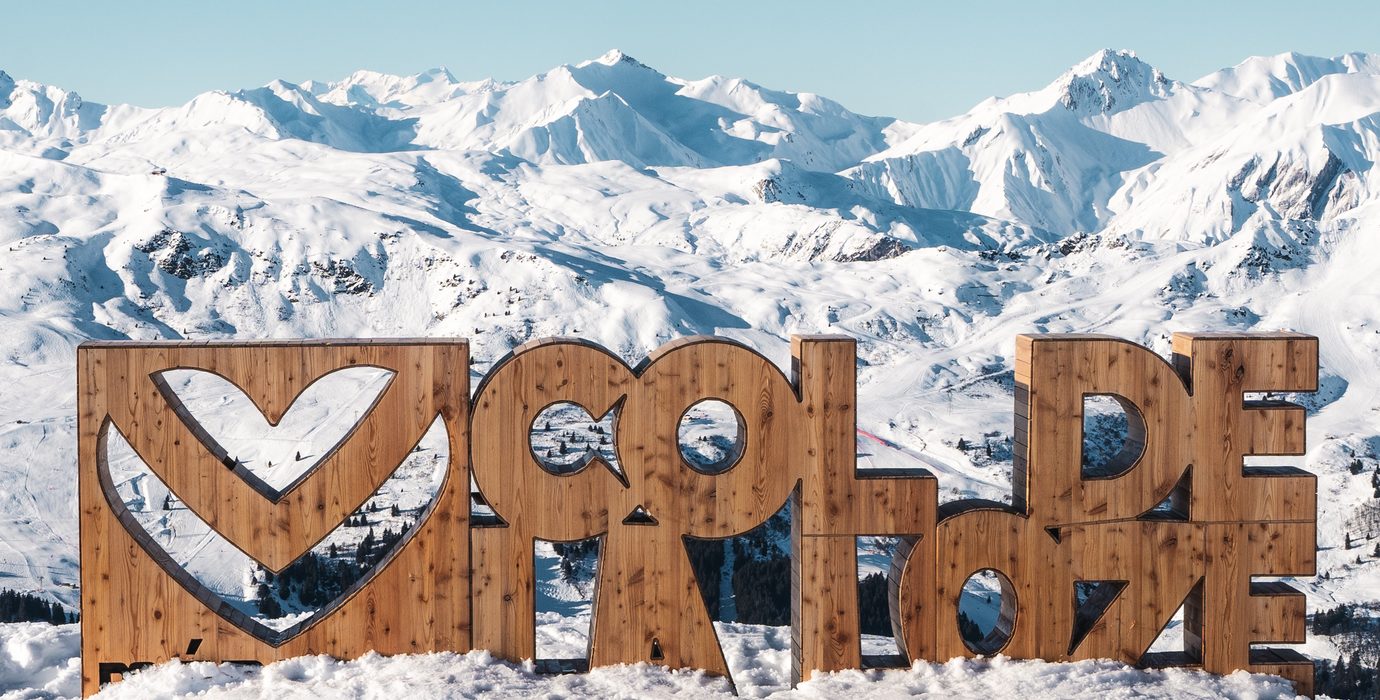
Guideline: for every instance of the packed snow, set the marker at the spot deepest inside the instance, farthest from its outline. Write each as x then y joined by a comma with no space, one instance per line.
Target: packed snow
40,661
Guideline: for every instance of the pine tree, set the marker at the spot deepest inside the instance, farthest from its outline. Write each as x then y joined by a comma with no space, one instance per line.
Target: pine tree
297,457
366,547
167,502
395,512
962,445
874,612
1348,540
268,605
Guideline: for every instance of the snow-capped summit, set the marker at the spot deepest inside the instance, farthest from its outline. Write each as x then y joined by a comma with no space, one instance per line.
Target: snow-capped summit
613,57
374,90
6,85
1110,81
1261,79
38,111
1044,158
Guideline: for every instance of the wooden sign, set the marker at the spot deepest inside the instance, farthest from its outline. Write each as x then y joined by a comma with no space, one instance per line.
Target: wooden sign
1090,567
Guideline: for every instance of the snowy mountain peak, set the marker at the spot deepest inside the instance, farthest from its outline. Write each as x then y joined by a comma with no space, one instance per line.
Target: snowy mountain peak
614,57
374,89
1261,79
6,87
1110,81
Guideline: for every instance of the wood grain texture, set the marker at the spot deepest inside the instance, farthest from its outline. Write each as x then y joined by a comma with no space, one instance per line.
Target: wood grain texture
1180,519
648,605
139,606
798,436
835,504
1176,518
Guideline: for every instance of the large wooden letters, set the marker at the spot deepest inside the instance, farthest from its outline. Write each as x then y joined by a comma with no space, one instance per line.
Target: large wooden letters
1181,520
1092,565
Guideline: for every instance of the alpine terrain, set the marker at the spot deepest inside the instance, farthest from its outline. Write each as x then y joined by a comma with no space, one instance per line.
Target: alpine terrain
608,201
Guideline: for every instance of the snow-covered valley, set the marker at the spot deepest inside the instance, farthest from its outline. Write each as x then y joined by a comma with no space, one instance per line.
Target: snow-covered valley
608,201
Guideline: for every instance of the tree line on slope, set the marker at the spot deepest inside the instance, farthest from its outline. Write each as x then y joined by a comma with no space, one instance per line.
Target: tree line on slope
1355,631
16,606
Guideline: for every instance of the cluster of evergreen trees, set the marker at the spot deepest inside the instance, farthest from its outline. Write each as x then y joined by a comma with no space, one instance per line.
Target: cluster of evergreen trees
577,559
1352,675
1343,679
568,438
319,579
874,612
762,590
24,607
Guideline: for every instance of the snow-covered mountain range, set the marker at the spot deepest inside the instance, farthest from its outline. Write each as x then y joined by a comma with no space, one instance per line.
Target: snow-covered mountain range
609,201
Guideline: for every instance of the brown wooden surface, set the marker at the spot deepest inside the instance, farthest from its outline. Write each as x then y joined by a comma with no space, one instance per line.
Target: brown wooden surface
139,606
798,436
1191,427
835,504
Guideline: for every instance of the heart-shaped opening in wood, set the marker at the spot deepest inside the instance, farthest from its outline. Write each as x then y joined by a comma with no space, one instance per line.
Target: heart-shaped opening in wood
273,456
273,607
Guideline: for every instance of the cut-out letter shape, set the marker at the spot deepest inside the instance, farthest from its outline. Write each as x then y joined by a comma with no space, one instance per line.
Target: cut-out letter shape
1226,523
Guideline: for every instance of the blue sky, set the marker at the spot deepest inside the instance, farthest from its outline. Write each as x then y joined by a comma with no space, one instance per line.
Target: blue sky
915,60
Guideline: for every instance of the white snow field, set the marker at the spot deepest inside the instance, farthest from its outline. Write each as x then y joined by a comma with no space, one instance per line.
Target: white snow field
607,201
40,661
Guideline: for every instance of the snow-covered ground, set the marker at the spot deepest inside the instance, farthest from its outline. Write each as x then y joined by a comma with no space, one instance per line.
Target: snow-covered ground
40,661
608,201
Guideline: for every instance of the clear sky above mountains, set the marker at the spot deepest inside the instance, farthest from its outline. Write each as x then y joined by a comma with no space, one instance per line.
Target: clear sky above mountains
918,61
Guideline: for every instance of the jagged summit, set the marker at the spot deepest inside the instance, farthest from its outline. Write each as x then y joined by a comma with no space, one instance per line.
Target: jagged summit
1109,81
614,57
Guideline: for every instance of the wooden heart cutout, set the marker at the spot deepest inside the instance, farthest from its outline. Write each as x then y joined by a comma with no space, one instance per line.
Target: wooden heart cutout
274,531
137,610
239,615
273,455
